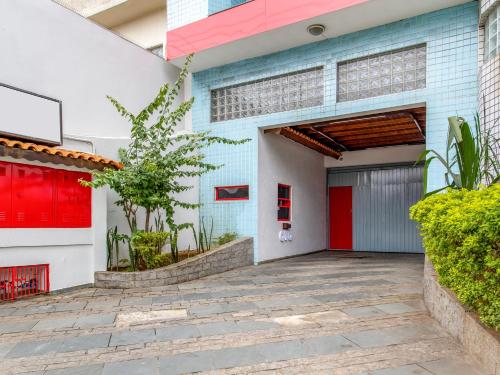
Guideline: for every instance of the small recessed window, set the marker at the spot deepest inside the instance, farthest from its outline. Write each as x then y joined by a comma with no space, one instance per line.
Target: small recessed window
232,193
284,202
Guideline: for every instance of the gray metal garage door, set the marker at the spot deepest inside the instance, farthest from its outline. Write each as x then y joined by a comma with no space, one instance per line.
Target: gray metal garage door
381,198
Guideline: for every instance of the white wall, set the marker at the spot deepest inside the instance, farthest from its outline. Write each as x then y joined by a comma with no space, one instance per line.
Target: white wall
74,254
382,155
287,162
55,52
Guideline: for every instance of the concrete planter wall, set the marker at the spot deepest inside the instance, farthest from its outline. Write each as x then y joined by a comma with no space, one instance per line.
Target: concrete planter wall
480,341
232,255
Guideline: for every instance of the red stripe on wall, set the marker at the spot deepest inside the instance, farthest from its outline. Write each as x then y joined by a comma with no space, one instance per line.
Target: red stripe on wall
243,21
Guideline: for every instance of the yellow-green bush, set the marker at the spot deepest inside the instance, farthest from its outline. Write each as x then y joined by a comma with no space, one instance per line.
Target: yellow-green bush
148,246
461,233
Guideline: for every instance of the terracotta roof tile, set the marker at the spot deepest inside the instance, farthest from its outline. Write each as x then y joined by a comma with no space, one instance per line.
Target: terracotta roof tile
60,152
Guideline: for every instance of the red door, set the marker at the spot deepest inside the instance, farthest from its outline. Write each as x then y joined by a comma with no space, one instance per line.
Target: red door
341,217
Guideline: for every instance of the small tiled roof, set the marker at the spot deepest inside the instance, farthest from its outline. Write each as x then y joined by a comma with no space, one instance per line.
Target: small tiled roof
60,152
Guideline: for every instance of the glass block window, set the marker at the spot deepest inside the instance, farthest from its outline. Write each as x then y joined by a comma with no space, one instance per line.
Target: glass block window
492,45
281,93
382,74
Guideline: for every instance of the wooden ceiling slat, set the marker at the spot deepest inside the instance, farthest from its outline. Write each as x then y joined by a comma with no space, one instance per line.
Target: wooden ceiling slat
388,144
412,132
381,141
405,126
360,124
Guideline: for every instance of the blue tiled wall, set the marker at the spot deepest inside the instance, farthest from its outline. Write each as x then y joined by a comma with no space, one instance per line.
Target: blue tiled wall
215,6
451,38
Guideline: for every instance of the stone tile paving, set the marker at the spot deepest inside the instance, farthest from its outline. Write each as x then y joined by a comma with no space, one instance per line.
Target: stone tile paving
325,313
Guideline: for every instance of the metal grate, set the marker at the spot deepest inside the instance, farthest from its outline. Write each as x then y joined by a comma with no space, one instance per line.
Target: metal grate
382,74
281,93
23,281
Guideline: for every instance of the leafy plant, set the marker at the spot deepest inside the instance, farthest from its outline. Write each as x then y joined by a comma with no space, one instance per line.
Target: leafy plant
206,240
133,256
109,248
148,246
470,157
203,239
461,235
227,237
157,161
113,239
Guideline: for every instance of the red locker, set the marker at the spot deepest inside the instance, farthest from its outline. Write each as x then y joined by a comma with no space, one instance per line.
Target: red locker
74,201
5,195
32,196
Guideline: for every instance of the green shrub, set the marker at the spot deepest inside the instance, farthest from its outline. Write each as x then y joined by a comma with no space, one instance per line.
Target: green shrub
227,237
461,233
148,246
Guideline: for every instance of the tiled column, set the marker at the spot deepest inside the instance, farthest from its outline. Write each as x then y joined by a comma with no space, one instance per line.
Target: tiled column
489,71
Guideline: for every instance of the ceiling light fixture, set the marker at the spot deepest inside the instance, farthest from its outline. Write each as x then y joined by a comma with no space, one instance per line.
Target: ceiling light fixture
316,29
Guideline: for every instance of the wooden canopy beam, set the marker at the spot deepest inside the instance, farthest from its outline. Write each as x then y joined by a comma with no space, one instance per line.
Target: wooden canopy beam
334,141
309,142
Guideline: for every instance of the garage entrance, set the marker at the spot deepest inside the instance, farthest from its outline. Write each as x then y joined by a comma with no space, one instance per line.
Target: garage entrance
368,208
371,178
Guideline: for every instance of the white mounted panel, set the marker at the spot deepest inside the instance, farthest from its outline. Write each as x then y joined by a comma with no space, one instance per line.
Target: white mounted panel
30,116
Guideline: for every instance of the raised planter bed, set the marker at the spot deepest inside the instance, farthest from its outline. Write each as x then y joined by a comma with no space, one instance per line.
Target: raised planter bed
481,342
232,255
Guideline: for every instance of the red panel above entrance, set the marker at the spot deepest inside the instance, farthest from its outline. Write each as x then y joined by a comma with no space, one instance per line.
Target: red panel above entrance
340,217
243,21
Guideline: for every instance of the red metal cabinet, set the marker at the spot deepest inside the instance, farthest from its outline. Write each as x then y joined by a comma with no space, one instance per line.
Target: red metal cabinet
5,195
73,200
32,196
40,197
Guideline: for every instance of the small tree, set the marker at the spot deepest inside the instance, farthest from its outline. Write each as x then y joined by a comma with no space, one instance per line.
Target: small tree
157,161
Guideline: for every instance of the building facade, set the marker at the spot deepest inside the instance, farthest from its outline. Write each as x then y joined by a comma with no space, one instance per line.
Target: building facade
66,121
335,121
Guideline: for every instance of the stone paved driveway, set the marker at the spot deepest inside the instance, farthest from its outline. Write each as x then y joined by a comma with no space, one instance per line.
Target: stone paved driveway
326,313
